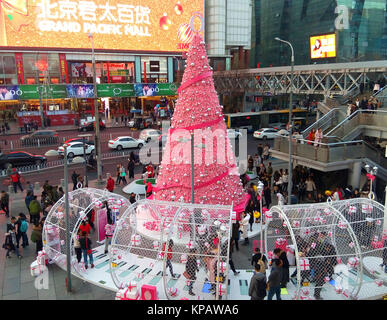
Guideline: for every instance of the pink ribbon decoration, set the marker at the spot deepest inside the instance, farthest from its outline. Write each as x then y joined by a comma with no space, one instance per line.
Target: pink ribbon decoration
198,126
194,80
370,177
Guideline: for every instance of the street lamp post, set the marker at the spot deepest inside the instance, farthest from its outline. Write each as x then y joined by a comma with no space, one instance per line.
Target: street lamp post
290,184
372,173
260,191
67,222
96,115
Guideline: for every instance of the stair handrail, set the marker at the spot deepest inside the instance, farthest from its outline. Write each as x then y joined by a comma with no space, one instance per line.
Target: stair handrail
353,115
317,123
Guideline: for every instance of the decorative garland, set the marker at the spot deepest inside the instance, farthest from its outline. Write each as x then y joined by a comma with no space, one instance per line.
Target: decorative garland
194,80
198,126
202,185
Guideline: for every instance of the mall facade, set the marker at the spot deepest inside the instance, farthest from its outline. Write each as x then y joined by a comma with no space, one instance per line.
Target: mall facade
360,27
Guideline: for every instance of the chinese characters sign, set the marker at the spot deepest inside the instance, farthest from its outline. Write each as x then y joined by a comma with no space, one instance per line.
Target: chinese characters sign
153,25
323,46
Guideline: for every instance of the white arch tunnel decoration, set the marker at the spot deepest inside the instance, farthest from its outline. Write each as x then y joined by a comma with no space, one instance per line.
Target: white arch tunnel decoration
80,202
144,233
334,239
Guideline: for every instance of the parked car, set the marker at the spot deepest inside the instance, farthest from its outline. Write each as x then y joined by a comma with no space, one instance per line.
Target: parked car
76,149
265,133
79,139
40,137
20,158
120,143
90,126
233,134
150,134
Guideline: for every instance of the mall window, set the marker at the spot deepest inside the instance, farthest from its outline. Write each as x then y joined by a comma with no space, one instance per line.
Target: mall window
106,72
156,69
8,73
41,68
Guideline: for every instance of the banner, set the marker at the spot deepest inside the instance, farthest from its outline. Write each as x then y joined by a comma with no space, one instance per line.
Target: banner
64,74
19,67
80,91
115,90
48,92
323,46
152,25
154,89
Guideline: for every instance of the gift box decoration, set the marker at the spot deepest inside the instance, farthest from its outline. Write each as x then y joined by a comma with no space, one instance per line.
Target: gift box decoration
190,245
173,292
326,279
276,231
342,224
353,262
378,222
296,223
98,204
327,212
202,229
183,258
221,289
119,203
37,269
59,215
313,245
366,208
338,290
339,260
284,223
346,294
233,217
330,234
308,219
42,257
222,266
120,295
151,226
379,282
155,245
281,243
306,231
198,263
352,210
160,255
140,275
304,264
305,291
351,244
135,240
131,294
268,216
290,249
377,244
270,254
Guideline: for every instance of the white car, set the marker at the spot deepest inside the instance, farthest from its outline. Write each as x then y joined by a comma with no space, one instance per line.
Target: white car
76,149
266,133
120,143
283,132
233,134
150,134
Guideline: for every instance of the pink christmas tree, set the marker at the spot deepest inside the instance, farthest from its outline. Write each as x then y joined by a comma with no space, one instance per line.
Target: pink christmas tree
216,177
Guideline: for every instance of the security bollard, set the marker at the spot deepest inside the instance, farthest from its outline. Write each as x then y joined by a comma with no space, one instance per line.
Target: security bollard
37,186
10,189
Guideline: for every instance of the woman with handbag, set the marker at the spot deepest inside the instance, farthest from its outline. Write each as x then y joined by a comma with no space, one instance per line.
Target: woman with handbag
86,249
190,270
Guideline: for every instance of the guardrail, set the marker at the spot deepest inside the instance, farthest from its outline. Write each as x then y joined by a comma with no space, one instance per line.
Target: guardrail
330,152
377,118
325,122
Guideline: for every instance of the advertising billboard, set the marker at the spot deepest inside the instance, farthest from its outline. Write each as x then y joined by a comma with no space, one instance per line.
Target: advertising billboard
323,46
152,25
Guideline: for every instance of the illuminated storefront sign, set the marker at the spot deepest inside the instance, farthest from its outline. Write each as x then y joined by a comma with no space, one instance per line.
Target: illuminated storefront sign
323,46
152,25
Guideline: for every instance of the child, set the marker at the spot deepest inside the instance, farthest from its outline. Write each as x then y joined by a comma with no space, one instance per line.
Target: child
10,243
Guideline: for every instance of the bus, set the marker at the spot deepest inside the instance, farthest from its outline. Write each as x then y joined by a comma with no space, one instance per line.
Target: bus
252,121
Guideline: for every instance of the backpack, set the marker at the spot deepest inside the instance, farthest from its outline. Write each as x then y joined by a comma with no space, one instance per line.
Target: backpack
261,288
24,226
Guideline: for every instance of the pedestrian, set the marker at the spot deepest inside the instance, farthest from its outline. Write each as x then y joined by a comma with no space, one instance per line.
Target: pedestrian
109,231
262,171
36,236
149,189
110,184
384,263
235,234
86,243
260,150
269,172
301,187
35,209
318,137
281,201
311,136
245,227
10,243
257,288
132,198
231,263
285,181
260,259
22,230
77,246
29,197
284,266
274,281
123,174
169,256
118,174
91,217
4,202
266,152
310,187
191,268
15,178
267,196
30,187
131,165
250,163
74,178
85,227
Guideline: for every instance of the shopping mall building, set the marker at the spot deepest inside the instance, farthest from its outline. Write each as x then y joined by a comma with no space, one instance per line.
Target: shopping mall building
46,53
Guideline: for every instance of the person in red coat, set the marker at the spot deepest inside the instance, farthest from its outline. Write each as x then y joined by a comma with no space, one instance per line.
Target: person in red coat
85,227
110,184
149,189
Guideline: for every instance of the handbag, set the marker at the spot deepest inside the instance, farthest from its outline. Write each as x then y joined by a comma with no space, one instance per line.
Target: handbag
89,251
186,275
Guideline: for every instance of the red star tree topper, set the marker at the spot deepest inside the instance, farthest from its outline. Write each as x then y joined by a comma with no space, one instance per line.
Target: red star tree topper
216,177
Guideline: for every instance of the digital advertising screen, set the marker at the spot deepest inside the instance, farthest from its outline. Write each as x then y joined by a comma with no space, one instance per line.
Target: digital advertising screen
152,25
323,46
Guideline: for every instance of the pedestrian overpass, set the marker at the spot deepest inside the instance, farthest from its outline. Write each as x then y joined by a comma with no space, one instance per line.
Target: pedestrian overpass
327,79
